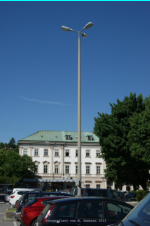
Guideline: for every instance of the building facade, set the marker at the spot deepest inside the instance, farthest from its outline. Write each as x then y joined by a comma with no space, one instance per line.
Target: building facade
55,154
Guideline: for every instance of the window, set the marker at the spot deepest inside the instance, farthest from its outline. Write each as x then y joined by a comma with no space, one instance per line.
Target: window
97,169
98,186
87,185
56,168
88,210
36,168
115,194
67,169
25,151
87,169
45,152
89,138
67,152
76,153
87,153
76,169
97,153
117,211
45,168
56,152
66,211
36,152
68,137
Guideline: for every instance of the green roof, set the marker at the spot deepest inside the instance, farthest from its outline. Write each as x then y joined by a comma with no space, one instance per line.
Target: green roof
60,136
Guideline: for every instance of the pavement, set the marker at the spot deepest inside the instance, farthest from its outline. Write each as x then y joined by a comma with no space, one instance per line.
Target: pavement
3,207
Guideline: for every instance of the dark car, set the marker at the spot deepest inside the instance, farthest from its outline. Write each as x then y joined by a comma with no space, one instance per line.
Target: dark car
129,194
102,192
29,196
31,210
89,211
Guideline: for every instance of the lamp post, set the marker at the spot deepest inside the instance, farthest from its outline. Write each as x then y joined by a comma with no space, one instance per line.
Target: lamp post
88,25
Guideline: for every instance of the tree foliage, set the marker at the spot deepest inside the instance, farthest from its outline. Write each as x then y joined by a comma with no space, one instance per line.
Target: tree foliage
12,143
14,167
125,141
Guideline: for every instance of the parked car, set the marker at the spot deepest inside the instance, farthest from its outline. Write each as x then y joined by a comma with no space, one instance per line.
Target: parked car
89,211
8,193
15,197
18,192
29,196
31,210
129,194
102,192
139,216
27,189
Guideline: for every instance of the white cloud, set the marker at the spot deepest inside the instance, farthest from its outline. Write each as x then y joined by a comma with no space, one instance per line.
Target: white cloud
42,101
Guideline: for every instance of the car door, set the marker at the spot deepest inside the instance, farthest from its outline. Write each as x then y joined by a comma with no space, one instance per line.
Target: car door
65,214
90,213
116,211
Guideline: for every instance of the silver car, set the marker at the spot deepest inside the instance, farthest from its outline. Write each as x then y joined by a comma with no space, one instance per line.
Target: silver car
8,193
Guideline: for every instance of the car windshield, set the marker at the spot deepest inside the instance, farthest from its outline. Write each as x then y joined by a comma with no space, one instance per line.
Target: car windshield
140,215
9,192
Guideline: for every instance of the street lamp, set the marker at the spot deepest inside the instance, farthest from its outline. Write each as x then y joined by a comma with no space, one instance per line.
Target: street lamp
64,28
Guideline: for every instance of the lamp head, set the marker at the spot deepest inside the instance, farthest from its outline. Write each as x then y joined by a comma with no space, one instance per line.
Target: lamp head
65,28
83,35
88,25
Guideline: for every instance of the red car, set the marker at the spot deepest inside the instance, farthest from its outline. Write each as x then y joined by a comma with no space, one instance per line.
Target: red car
32,210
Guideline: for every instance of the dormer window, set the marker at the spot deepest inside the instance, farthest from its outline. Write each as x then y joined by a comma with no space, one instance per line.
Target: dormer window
68,137
89,137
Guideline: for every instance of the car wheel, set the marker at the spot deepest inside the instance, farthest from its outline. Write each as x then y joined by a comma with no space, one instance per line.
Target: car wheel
34,222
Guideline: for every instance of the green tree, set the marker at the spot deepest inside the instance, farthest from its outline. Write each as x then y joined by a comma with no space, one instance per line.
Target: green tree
1,145
16,149
139,140
14,167
12,143
117,144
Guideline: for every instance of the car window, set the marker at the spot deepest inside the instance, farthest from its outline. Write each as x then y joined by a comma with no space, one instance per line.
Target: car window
117,211
91,210
66,211
20,192
30,197
114,194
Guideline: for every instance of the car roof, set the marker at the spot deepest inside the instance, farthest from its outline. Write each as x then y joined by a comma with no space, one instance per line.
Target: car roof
94,198
50,197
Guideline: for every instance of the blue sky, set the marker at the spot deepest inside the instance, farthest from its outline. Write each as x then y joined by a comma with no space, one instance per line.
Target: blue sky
39,62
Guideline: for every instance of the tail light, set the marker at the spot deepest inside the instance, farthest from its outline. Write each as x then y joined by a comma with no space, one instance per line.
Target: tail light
25,210
18,204
48,214
12,196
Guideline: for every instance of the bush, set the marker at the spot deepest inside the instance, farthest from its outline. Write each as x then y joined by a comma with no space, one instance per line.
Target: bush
140,194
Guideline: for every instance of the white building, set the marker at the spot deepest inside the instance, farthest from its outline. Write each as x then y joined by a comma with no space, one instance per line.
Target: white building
56,157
